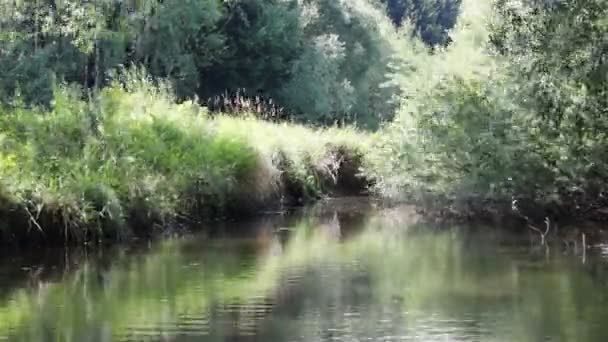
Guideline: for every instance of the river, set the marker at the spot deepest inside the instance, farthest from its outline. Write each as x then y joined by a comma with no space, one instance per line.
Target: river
342,270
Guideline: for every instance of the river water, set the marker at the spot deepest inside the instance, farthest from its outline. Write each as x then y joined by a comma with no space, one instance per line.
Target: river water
340,271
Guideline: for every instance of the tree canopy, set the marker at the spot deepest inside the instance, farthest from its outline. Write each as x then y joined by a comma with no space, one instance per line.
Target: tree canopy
323,61
432,19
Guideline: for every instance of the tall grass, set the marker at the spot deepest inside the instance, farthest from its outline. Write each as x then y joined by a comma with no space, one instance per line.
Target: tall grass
132,161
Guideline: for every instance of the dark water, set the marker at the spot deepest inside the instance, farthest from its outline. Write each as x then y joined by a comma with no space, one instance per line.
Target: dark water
340,272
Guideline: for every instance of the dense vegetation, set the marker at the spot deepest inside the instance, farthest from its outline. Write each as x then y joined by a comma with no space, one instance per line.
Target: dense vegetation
432,20
478,107
136,162
322,61
523,128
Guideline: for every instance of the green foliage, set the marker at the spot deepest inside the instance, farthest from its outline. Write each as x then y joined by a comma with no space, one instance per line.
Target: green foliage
526,123
323,61
512,108
560,52
432,19
262,40
341,76
132,160
180,40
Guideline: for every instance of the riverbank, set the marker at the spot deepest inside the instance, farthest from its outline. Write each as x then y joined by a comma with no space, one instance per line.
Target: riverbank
134,163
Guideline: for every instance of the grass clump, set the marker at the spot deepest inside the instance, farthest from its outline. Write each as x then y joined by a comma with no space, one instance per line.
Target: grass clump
131,161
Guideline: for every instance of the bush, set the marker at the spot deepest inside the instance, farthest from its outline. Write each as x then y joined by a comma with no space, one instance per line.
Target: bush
521,130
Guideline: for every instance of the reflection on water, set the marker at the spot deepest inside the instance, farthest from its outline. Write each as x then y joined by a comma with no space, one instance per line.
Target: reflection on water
333,273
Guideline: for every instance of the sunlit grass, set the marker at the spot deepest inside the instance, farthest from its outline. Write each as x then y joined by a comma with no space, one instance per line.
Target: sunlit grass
133,159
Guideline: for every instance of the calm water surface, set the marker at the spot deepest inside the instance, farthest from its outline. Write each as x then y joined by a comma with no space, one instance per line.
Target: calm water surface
341,271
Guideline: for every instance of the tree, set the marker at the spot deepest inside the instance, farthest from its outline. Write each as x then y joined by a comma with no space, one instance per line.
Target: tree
432,19
342,74
262,40
206,47
179,40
